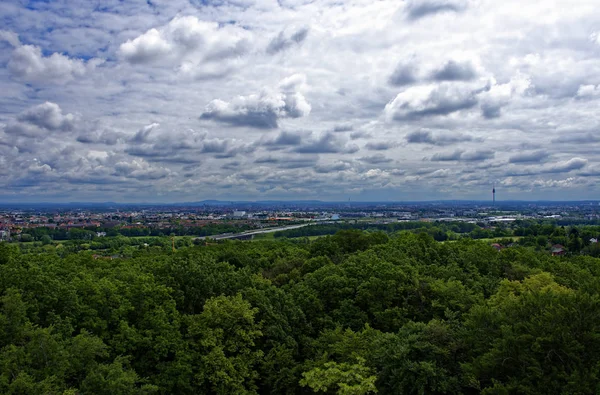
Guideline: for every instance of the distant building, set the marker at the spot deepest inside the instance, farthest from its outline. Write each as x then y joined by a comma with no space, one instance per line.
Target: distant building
239,214
557,250
335,217
497,246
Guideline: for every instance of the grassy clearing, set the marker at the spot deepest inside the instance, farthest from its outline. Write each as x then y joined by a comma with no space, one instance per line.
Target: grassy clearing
264,236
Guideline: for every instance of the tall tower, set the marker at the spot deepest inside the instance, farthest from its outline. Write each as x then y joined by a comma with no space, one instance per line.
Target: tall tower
494,194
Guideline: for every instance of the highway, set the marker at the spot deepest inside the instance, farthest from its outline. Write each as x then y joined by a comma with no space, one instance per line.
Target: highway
256,232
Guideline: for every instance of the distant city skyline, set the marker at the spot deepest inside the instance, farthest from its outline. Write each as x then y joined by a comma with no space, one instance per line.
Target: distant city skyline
186,100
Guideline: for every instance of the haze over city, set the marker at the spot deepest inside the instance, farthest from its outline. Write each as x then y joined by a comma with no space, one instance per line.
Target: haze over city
179,101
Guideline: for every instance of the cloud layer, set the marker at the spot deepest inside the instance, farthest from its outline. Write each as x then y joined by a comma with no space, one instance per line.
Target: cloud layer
386,100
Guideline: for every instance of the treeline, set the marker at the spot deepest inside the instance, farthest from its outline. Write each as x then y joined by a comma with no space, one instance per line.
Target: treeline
353,313
439,230
90,233
121,245
534,233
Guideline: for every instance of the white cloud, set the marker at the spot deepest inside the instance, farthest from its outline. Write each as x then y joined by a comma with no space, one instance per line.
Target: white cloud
294,82
500,95
195,47
27,63
588,91
48,116
141,170
430,100
10,37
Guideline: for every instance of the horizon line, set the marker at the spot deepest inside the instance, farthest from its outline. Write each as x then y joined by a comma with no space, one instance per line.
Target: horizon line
346,202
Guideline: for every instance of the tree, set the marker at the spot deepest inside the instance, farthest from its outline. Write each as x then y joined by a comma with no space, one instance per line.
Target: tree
7,253
115,378
25,238
343,378
223,337
532,335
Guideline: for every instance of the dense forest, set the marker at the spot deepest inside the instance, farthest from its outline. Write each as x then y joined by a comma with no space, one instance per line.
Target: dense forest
357,312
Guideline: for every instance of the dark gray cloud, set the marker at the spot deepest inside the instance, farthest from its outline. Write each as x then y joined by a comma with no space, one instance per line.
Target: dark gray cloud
455,71
420,137
231,165
417,9
283,42
446,156
360,134
327,143
439,138
343,128
266,159
287,139
41,121
577,137
149,151
297,163
288,161
550,168
254,119
421,171
239,149
24,130
221,3
477,155
214,146
106,137
380,145
592,171
465,156
375,159
332,167
404,74
531,156
491,110
142,135
185,147
566,166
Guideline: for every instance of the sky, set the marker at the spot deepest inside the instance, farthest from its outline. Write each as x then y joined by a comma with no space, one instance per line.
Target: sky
174,100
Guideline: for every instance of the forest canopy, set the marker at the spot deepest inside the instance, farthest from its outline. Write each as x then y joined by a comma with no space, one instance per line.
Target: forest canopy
352,313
